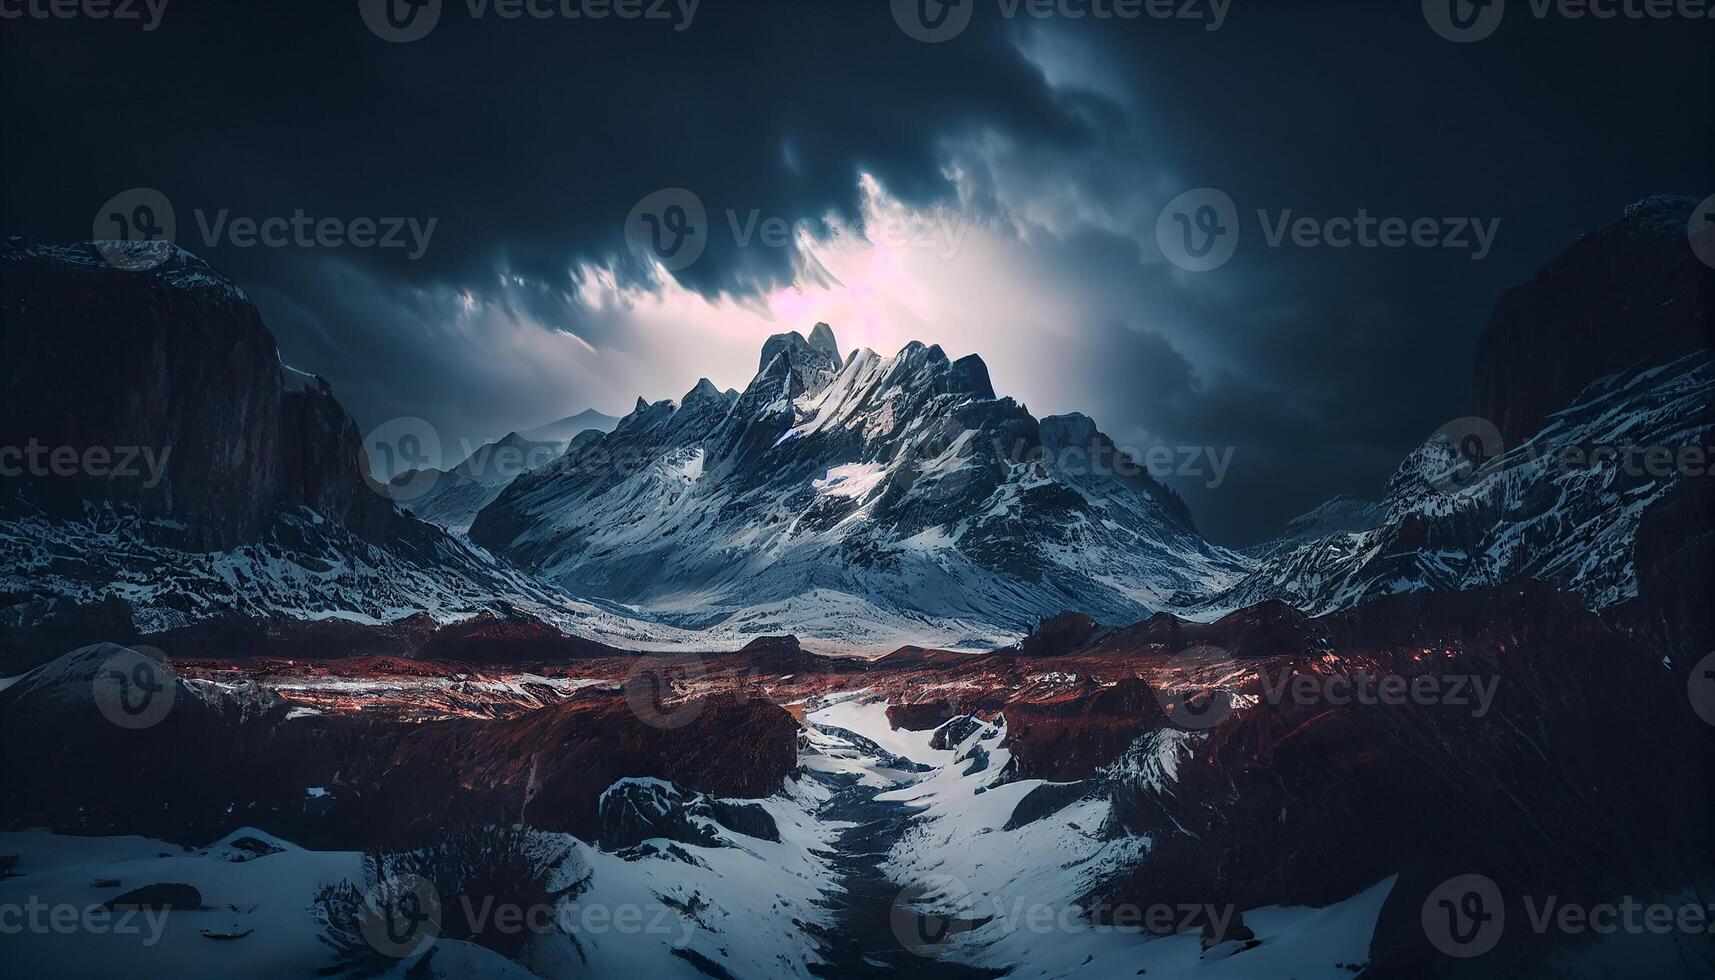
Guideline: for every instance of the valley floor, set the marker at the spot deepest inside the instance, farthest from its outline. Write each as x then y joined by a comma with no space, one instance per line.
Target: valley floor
872,808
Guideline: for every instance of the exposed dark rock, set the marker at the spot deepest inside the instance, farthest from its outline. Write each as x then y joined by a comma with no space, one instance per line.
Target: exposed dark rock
637,810
922,716
161,895
749,819
174,358
1058,634
949,735
250,848
978,758
1629,294
1548,770
1047,800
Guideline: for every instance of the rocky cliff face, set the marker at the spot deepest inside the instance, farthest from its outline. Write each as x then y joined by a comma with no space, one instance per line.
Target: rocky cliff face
172,359
843,498
243,490
1425,786
1613,390
1631,294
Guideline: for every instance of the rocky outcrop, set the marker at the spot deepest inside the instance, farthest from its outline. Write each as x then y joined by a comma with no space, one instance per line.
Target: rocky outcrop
1304,800
1595,384
238,755
1631,294
174,360
548,768
238,486
633,810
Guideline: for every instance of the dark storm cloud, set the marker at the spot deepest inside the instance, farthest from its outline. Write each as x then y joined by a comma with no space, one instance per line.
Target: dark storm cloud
530,141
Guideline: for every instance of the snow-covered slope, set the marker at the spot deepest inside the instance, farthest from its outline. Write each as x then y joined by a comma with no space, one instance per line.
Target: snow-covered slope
1564,507
978,886
1594,405
837,499
246,494
1339,515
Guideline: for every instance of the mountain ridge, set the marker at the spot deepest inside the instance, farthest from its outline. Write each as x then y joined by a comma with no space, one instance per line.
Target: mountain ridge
902,486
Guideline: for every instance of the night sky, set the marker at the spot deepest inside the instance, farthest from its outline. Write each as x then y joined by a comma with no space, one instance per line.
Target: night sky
1027,161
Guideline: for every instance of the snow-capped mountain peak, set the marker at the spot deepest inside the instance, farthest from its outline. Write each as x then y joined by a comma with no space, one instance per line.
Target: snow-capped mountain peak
867,500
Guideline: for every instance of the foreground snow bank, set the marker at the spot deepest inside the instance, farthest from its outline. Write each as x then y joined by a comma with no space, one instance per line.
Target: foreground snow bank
663,909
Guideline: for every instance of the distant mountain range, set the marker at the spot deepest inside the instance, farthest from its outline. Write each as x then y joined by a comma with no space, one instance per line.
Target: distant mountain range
566,429
452,497
858,500
1596,385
